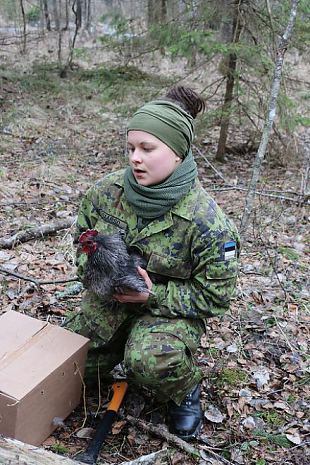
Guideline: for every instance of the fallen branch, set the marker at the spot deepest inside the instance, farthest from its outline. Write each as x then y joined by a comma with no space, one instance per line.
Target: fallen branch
41,231
172,439
36,201
162,433
305,200
229,187
37,282
18,453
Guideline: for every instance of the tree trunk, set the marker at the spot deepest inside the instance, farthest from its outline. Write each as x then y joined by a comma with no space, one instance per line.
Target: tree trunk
56,15
156,15
274,91
230,70
24,26
156,12
77,9
88,15
66,25
46,15
60,32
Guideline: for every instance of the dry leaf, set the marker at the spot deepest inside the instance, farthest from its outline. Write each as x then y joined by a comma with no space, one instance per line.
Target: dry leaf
249,423
131,438
261,376
213,414
292,307
232,348
118,426
177,458
85,433
50,441
282,406
294,438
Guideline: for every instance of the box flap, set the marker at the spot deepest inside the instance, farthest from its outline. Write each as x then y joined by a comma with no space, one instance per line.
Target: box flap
39,354
15,330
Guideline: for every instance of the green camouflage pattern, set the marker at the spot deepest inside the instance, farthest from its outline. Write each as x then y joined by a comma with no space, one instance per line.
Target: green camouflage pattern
185,250
160,352
157,352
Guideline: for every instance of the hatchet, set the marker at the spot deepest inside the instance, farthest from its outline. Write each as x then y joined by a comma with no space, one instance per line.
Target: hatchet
91,453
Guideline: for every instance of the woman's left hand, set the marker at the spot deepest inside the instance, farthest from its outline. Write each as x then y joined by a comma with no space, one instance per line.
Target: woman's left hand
136,297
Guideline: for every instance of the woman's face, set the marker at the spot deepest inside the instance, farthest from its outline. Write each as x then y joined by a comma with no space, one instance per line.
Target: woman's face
150,159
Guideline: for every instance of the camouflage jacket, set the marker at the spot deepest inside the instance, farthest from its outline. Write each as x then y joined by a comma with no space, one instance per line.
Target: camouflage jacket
193,248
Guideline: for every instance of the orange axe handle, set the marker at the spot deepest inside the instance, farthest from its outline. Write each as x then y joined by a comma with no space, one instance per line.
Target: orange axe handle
119,391
90,455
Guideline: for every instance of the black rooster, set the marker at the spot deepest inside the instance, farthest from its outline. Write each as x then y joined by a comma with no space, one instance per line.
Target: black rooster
111,268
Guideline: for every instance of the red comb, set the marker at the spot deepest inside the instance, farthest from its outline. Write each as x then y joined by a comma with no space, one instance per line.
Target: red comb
87,235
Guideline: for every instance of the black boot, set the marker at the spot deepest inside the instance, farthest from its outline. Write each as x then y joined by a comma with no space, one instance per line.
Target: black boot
185,420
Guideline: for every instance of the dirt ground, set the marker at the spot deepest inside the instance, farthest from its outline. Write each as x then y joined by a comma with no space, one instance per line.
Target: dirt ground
57,137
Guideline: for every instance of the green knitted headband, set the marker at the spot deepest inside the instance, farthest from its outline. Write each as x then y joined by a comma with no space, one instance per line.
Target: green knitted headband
166,121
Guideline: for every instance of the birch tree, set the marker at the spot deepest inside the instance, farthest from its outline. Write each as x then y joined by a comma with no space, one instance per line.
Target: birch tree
274,92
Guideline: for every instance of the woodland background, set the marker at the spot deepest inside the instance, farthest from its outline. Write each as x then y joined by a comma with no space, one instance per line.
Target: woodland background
71,74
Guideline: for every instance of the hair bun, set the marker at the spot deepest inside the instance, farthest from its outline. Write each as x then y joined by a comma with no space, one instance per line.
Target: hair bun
187,99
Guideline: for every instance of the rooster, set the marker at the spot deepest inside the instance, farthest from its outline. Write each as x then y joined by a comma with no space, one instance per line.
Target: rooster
110,268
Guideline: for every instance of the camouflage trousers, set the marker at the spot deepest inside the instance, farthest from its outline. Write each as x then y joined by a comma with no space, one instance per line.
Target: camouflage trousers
157,352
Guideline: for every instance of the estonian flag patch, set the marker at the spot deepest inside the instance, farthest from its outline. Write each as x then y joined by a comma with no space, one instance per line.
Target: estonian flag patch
229,250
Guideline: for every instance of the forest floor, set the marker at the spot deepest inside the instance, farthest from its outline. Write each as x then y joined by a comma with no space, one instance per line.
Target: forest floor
57,137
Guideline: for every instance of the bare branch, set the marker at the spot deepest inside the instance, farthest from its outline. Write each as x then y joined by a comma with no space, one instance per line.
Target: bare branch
36,281
35,233
275,87
172,439
210,164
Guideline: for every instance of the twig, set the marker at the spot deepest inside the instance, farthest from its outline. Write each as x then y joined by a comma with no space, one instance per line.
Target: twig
216,456
220,82
264,194
221,79
37,282
229,186
293,348
44,230
150,459
210,164
84,396
37,201
171,438
99,388
162,433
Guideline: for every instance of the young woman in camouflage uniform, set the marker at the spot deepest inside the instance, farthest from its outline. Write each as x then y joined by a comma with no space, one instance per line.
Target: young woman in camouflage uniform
188,243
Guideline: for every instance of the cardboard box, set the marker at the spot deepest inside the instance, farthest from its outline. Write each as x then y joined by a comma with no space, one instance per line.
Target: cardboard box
41,370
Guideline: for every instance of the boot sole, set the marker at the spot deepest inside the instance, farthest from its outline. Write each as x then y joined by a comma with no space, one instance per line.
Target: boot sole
193,435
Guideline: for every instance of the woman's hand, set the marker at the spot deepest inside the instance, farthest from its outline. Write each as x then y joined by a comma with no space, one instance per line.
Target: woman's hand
136,297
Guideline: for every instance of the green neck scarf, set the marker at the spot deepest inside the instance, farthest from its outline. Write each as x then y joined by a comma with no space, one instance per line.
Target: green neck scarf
151,202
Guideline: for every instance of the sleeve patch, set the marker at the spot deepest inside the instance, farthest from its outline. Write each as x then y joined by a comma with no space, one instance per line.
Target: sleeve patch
229,250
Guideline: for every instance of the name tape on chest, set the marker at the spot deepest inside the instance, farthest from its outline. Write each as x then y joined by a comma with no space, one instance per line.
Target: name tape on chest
230,250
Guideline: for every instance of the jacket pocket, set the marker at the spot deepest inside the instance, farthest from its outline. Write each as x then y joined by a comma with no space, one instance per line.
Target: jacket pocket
224,269
169,266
